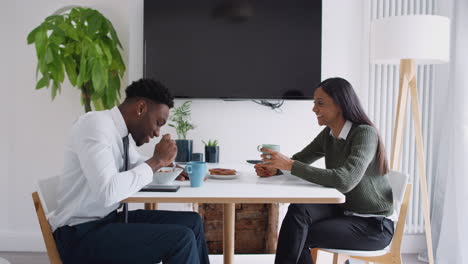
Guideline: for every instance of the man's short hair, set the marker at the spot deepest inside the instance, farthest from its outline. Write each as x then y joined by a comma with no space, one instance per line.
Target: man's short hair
150,89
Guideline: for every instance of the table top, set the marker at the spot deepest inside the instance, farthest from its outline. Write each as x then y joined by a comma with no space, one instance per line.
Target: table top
247,187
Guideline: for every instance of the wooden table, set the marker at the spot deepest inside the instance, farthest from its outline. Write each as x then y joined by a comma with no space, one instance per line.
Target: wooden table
246,188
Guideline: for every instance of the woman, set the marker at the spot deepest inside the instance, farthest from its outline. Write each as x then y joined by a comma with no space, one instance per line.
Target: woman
355,165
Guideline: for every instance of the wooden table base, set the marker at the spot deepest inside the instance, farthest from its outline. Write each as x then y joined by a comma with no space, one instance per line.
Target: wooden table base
228,228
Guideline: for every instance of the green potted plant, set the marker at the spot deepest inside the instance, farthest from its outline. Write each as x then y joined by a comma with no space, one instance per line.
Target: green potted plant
211,151
84,46
180,118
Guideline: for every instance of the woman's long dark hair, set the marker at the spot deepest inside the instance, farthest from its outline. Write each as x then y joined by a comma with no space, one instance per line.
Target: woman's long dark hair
344,96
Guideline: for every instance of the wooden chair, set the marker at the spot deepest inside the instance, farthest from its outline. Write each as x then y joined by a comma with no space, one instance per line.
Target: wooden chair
391,254
45,202
4,261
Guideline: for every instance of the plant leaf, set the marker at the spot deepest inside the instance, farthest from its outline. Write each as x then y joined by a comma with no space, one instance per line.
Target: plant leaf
57,30
52,18
49,57
114,87
32,35
41,42
82,73
55,87
70,67
97,78
43,82
114,36
43,68
59,67
107,52
70,31
94,22
98,49
98,104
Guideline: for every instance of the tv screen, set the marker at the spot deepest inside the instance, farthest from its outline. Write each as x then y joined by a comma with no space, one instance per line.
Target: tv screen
237,49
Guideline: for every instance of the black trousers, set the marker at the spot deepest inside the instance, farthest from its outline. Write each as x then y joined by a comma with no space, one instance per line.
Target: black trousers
325,226
148,237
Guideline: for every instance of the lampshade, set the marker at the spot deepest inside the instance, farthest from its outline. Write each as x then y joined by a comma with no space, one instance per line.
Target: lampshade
424,38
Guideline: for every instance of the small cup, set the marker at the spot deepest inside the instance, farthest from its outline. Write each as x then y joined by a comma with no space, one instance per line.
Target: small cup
197,172
268,146
197,156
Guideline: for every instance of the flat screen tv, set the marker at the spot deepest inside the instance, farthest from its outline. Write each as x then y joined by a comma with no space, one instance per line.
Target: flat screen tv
234,49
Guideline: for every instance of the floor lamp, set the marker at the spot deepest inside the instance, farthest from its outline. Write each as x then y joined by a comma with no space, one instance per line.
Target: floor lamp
407,41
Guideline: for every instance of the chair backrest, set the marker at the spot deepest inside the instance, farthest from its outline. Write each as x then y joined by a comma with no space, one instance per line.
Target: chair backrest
398,182
47,189
401,194
45,201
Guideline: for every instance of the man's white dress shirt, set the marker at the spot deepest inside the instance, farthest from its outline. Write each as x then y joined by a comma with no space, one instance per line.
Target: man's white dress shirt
92,182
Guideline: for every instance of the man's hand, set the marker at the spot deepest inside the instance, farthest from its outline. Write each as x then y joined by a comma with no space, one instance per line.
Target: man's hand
164,153
263,171
165,150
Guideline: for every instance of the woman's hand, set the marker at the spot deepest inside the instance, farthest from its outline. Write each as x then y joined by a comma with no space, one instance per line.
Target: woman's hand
275,160
263,171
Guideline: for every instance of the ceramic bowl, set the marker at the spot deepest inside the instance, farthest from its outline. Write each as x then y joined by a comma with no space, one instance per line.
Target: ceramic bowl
166,176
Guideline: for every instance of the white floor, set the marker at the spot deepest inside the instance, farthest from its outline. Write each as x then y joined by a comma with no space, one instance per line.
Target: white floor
322,259
41,258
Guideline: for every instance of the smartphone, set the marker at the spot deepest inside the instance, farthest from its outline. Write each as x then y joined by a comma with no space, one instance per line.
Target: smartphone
160,188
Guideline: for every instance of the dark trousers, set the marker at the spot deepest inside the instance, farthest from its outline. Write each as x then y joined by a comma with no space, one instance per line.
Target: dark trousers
149,237
325,226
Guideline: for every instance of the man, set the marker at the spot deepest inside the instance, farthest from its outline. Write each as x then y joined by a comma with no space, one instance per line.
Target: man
87,227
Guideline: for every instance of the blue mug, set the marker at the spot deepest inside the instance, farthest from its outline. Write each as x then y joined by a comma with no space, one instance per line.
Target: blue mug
197,172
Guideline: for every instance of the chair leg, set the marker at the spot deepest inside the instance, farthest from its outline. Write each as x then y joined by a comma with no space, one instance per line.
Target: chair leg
313,254
339,258
151,206
396,259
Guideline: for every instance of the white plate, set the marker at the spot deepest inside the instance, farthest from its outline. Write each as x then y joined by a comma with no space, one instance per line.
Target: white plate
224,177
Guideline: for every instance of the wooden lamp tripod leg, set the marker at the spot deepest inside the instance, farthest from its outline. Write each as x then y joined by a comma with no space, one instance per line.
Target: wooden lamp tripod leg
408,83
421,168
406,74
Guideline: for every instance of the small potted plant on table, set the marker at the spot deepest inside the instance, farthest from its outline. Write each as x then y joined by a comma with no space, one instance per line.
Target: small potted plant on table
181,122
211,151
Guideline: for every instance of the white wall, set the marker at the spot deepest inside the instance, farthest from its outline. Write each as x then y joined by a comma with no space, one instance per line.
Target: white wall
239,126
34,129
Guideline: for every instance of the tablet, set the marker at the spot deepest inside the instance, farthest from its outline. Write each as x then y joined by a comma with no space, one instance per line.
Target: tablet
160,188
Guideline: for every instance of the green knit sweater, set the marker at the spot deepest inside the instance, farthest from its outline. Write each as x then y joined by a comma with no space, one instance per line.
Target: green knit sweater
351,167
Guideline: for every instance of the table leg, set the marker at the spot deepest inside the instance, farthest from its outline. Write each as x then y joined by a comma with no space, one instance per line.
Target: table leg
151,206
125,211
228,228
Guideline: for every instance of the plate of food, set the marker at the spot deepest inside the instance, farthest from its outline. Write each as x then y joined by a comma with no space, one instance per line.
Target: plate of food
223,174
